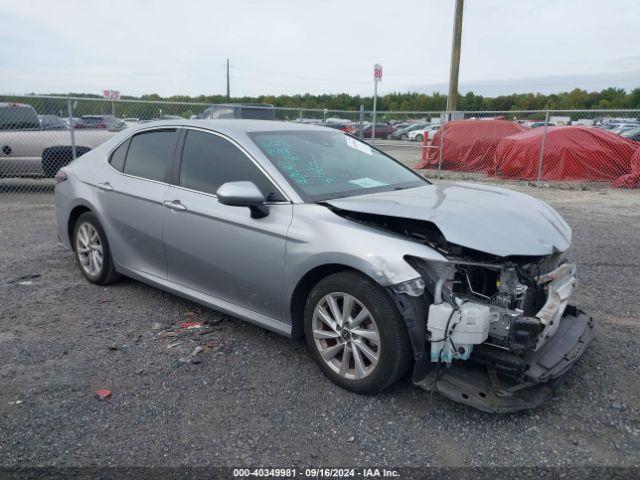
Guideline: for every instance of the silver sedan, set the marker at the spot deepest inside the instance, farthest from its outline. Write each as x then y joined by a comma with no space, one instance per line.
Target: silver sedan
314,234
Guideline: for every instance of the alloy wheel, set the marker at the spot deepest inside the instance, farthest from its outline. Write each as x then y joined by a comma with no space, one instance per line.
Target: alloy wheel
89,249
346,336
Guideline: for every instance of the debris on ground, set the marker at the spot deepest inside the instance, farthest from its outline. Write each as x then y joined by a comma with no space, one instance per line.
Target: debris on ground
174,344
617,405
192,325
104,394
24,279
16,402
196,351
156,326
104,300
168,333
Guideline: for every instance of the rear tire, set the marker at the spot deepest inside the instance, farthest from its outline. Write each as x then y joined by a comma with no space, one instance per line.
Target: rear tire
375,332
92,250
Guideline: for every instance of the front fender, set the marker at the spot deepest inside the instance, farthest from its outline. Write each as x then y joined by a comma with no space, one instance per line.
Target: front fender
318,237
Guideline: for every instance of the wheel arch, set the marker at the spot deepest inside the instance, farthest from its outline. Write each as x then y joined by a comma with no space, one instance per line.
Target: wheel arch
73,218
303,288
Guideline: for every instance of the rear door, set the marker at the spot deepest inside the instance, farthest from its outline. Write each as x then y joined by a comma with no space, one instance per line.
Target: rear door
130,196
218,249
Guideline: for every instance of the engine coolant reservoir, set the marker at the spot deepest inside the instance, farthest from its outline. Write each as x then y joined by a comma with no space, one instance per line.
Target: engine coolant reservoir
471,328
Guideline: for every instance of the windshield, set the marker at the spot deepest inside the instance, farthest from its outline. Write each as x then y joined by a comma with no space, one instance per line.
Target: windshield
323,165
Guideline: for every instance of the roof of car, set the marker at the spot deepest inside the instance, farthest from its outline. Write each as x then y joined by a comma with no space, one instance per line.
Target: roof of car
14,105
235,126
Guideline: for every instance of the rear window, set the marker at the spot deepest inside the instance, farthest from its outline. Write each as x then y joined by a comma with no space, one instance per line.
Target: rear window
16,117
150,154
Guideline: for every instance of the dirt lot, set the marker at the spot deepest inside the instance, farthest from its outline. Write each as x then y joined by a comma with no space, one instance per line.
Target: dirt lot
256,398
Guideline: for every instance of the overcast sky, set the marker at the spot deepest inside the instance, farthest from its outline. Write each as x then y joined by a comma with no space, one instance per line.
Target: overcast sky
315,46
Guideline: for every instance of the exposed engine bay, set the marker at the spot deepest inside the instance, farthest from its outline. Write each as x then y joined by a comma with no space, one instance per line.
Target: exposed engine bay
495,316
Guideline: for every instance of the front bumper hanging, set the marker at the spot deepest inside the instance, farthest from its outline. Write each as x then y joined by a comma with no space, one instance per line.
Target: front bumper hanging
479,385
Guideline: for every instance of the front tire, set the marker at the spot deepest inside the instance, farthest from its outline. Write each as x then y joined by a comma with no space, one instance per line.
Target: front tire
419,138
92,250
355,334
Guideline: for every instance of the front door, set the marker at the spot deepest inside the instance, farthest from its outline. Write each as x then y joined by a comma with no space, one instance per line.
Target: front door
219,249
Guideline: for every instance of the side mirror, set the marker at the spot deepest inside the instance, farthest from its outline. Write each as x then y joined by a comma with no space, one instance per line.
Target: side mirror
243,194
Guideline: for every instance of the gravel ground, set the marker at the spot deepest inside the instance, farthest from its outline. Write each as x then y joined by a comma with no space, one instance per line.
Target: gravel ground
256,398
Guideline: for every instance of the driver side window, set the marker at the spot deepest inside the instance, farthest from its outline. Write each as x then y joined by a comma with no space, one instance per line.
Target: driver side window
208,161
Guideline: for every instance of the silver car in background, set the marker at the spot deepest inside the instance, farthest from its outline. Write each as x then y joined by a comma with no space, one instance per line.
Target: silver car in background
312,233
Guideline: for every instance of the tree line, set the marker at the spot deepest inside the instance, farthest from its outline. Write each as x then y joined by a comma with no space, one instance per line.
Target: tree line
609,98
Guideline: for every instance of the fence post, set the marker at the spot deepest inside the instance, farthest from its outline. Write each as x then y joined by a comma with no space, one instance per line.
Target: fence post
71,128
361,121
425,143
544,138
442,125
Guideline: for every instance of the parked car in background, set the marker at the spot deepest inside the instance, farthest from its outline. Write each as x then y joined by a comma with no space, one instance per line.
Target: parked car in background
418,134
342,126
100,122
26,150
256,111
540,124
52,122
131,121
632,134
403,134
383,130
18,116
314,234
623,126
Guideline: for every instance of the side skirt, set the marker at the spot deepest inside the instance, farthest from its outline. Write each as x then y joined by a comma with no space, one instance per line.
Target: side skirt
215,303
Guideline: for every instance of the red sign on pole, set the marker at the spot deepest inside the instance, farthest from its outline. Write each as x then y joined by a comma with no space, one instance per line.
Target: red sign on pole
111,94
377,72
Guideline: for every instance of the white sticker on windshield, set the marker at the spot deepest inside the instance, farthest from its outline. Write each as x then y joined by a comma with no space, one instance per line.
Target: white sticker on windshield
367,182
363,147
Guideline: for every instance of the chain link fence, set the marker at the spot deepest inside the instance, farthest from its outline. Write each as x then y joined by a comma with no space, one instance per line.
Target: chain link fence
40,134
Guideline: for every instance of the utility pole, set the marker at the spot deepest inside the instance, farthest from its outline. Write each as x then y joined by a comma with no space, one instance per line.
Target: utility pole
228,86
452,98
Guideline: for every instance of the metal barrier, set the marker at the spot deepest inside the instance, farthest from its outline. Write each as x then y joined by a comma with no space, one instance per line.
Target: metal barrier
40,134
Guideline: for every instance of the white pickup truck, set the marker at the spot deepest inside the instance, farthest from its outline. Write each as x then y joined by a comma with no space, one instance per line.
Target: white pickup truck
28,151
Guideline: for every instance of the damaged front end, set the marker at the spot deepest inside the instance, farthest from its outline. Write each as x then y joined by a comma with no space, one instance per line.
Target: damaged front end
501,335
496,333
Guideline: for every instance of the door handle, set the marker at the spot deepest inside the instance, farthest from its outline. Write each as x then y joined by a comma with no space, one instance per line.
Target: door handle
174,205
106,186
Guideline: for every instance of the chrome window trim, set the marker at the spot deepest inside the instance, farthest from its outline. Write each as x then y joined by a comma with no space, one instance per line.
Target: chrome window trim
288,200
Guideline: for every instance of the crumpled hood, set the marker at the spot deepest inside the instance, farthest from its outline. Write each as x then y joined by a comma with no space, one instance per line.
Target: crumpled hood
489,219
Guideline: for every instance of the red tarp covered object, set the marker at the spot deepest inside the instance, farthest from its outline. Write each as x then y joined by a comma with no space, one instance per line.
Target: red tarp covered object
570,153
469,145
630,180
